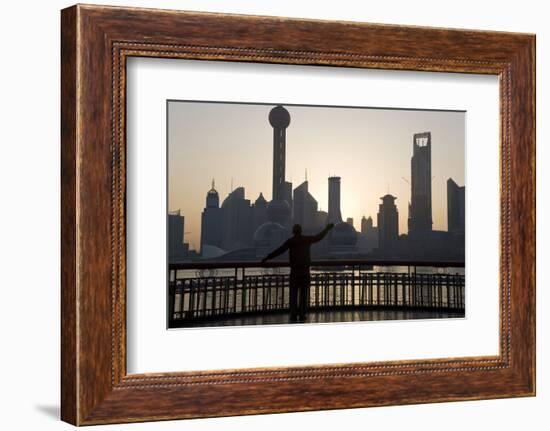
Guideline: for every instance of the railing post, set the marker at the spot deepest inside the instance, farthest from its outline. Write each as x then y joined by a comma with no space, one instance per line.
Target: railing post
462,293
377,288
226,292
171,302
235,290
193,290
214,284
370,289
353,285
396,278
204,297
243,293
448,288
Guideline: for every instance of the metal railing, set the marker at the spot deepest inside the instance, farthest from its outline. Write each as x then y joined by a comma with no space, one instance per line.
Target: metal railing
198,292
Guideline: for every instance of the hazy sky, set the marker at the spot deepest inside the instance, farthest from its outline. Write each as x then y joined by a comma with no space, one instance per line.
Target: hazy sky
369,148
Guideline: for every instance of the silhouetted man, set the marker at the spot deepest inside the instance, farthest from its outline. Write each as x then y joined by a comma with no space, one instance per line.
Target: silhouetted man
298,247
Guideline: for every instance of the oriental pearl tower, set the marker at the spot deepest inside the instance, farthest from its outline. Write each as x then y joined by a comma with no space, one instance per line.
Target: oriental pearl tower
273,232
279,210
279,118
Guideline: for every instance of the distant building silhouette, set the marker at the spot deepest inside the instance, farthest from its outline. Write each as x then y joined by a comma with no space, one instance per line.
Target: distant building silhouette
271,232
211,221
388,223
305,208
334,213
278,212
286,196
456,206
177,249
321,218
420,207
259,212
237,221
238,229
366,224
342,241
267,236
279,118
368,238
343,237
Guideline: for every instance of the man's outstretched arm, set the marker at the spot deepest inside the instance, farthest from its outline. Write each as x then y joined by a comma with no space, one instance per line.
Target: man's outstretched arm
323,233
276,252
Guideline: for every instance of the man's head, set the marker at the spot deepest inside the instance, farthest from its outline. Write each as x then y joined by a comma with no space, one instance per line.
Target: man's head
297,229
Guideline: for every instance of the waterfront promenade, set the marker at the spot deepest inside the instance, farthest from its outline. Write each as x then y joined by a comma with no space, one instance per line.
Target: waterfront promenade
245,293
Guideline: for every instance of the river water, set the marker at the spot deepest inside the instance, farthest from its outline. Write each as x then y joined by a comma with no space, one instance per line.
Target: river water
228,272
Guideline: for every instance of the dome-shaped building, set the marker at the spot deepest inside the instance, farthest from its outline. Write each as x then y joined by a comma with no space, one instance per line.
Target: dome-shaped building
343,234
268,234
342,240
278,211
267,237
211,251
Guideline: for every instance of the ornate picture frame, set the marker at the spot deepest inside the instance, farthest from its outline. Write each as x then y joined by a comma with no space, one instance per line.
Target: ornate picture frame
96,41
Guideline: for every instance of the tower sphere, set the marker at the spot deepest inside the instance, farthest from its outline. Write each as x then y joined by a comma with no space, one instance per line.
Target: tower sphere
279,118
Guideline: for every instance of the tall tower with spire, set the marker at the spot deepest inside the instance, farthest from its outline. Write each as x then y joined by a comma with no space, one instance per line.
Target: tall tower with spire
388,224
279,118
334,213
420,207
212,197
280,208
211,220
305,208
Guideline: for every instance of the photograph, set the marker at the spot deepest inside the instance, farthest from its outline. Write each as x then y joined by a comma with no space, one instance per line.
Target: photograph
289,214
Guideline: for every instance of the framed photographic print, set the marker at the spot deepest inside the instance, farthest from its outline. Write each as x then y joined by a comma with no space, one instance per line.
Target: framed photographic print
321,262
258,208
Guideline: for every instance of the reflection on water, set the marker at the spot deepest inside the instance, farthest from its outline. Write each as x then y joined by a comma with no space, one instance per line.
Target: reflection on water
335,316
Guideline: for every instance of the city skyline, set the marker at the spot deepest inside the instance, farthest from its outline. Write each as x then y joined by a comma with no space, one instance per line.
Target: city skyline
367,147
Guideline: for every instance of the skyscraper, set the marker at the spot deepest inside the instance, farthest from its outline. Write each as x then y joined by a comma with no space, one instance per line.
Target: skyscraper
334,213
305,207
211,220
420,207
388,223
368,240
279,209
259,212
177,249
366,224
286,194
237,221
455,207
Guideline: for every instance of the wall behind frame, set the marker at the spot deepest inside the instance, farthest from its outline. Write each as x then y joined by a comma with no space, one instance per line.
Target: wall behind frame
29,221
